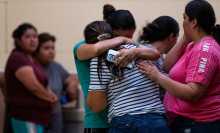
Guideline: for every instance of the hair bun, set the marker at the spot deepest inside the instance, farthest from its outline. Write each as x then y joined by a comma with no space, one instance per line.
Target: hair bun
107,11
217,29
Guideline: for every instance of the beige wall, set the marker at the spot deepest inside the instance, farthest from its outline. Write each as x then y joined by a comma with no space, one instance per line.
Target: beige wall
66,19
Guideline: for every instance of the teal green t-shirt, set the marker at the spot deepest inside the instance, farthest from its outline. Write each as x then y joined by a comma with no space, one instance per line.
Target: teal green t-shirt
91,120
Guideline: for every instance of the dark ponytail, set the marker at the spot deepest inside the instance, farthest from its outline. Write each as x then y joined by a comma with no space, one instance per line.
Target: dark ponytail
216,33
159,29
118,20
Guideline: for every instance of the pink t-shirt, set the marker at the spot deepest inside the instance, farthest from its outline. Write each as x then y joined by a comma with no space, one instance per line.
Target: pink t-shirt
199,63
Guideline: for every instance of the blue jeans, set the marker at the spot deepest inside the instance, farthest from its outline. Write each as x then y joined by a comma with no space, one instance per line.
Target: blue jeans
187,125
140,123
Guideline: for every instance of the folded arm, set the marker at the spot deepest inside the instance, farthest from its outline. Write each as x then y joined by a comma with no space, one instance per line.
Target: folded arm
26,75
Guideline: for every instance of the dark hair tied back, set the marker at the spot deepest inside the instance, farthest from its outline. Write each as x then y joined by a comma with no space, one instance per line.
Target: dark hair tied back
150,33
107,11
159,30
216,33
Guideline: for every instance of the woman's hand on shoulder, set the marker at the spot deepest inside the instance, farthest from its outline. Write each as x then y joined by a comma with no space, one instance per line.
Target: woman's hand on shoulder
148,69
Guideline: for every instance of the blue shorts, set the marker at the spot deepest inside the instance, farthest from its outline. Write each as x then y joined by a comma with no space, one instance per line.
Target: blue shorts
26,127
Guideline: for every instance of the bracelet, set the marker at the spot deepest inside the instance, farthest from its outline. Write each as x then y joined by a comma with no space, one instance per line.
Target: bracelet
164,82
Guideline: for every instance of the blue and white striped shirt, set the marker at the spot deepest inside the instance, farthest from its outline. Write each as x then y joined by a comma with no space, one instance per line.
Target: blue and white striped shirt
135,94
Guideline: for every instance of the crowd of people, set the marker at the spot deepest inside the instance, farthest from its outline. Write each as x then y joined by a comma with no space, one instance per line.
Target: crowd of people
178,94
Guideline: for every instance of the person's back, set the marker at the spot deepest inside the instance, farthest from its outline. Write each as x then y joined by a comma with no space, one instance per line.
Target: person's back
134,94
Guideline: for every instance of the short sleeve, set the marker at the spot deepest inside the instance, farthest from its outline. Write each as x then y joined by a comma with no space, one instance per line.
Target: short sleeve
201,67
95,84
76,47
18,60
64,74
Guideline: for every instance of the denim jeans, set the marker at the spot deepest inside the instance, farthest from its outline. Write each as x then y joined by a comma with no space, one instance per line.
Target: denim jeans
96,130
187,125
140,123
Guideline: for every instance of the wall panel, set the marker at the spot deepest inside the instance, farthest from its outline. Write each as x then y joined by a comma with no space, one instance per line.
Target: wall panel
66,19
2,27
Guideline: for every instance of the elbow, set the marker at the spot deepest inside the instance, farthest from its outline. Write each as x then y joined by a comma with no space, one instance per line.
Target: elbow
96,108
191,99
165,69
97,111
156,57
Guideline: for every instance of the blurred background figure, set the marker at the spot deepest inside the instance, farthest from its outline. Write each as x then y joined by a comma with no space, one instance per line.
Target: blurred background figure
60,81
7,128
28,99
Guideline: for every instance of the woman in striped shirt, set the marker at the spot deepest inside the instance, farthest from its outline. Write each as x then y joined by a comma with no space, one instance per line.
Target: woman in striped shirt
133,99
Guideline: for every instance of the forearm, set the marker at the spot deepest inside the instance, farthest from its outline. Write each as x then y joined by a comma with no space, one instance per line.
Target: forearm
174,54
93,50
96,101
147,53
40,92
181,91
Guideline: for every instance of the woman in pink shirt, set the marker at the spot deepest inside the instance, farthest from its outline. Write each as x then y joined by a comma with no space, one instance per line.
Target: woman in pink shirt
192,101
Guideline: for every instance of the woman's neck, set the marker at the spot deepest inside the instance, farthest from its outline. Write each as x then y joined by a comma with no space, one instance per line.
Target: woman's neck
159,45
199,36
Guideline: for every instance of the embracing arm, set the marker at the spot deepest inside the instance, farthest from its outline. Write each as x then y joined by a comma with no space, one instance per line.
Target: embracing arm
96,101
127,55
93,50
174,54
26,75
189,92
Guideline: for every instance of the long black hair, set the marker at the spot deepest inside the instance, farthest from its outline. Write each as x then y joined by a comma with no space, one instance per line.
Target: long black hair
19,31
203,12
91,33
159,29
